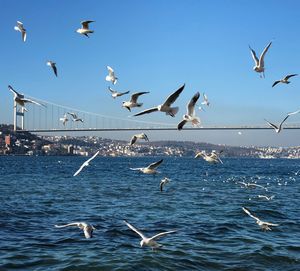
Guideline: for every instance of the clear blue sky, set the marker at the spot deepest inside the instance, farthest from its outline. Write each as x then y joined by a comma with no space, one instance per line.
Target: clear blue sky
156,46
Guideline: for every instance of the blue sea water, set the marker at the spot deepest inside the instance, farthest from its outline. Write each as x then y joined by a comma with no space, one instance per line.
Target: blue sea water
203,203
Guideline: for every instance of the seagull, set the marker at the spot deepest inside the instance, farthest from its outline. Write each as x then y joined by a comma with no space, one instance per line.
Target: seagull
116,94
213,157
87,228
111,76
285,80
252,185
20,27
265,197
85,28
20,98
263,225
75,117
133,101
148,241
151,169
163,182
166,106
259,63
52,65
206,101
85,164
64,119
190,115
275,127
138,136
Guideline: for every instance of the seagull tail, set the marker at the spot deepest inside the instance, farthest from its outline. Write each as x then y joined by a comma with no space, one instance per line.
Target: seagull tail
173,111
139,105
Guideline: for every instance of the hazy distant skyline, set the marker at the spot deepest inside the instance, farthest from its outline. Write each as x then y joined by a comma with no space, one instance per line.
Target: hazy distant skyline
157,46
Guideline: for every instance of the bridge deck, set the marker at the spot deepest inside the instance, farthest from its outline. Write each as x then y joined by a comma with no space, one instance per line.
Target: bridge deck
154,129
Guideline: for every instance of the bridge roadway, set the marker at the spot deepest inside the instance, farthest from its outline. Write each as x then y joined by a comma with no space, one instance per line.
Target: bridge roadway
155,129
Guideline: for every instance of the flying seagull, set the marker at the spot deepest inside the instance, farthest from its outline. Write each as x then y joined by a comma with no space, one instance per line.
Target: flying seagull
64,119
20,27
20,98
213,157
75,117
205,101
111,77
151,169
285,80
252,185
52,65
263,225
166,106
265,197
259,63
279,127
84,30
116,94
148,241
86,163
190,115
163,182
133,100
87,228
138,136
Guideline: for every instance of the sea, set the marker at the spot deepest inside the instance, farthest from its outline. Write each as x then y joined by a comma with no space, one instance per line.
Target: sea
203,203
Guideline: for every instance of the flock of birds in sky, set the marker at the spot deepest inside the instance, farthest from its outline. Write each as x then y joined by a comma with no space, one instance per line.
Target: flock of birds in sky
170,110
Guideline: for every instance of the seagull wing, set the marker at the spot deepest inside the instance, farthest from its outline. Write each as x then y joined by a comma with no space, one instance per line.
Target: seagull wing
146,137
161,185
155,164
14,91
172,98
135,96
79,170
262,56
283,121
160,235
181,124
133,140
275,83
289,76
85,24
93,157
68,225
249,214
110,71
24,35
147,111
191,104
32,101
20,24
123,93
54,69
135,230
72,114
255,58
137,168
270,224
293,113
272,125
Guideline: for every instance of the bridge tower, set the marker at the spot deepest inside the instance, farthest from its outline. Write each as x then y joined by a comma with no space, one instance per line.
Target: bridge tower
19,112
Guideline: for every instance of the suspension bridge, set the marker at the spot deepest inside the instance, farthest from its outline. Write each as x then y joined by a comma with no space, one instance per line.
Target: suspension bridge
49,118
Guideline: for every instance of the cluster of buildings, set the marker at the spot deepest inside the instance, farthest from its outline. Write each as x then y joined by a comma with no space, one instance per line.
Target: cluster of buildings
30,144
